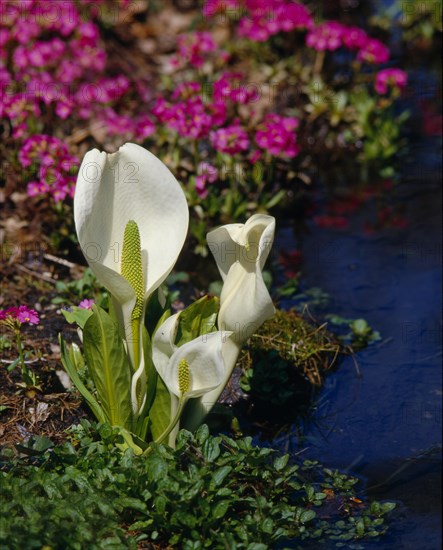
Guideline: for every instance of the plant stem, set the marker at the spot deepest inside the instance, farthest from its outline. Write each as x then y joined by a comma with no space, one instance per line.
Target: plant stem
25,371
161,438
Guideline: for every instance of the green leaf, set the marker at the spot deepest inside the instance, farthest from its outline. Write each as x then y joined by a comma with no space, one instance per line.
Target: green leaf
219,475
76,357
109,367
280,462
160,412
275,199
199,318
220,509
211,449
154,311
77,315
307,515
73,375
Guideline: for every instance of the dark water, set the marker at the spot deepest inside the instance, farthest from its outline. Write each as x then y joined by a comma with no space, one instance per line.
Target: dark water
385,426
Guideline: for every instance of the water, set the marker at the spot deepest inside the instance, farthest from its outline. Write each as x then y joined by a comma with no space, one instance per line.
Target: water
385,425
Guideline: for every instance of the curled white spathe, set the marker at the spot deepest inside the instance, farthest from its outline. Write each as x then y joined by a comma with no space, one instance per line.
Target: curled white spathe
240,251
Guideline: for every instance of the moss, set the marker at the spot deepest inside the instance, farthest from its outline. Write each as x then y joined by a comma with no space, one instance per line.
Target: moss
308,348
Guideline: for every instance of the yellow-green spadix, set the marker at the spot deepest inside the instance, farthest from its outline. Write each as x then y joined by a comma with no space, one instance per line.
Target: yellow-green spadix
193,369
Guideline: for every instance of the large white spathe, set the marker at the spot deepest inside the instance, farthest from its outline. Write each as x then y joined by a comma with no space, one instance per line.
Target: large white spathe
131,184
112,189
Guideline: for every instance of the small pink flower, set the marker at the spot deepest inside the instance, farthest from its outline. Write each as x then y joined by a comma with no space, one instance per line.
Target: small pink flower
19,315
277,135
27,315
390,78
355,38
86,304
326,36
145,127
374,51
194,47
231,140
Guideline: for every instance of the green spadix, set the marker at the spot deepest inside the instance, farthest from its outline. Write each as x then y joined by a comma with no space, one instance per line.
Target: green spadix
132,267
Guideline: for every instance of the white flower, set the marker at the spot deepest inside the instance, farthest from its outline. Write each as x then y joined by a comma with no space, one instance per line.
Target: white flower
193,369
240,251
131,219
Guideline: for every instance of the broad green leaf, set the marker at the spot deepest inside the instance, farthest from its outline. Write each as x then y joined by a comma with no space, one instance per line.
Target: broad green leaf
154,311
160,412
199,318
73,375
141,429
109,367
77,315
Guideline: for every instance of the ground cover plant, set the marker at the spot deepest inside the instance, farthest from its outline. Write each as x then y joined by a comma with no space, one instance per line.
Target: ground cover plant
211,492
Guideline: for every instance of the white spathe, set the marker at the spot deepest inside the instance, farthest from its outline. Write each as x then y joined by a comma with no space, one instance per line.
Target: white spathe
111,190
240,251
131,184
203,356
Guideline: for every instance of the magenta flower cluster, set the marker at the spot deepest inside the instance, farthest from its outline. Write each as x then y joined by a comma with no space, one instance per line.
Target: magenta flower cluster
194,49
54,166
276,135
265,18
230,140
18,315
332,35
390,78
206,173
53,65
261,19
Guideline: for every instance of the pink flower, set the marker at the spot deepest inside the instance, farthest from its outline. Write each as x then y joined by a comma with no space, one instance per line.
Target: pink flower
277,136
268,17
194,47
231,140
354,38
207,173
26,315
217,7
188,118
386,78
145,127
326,36
19,315
374,51
86,304
231,85
50,160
